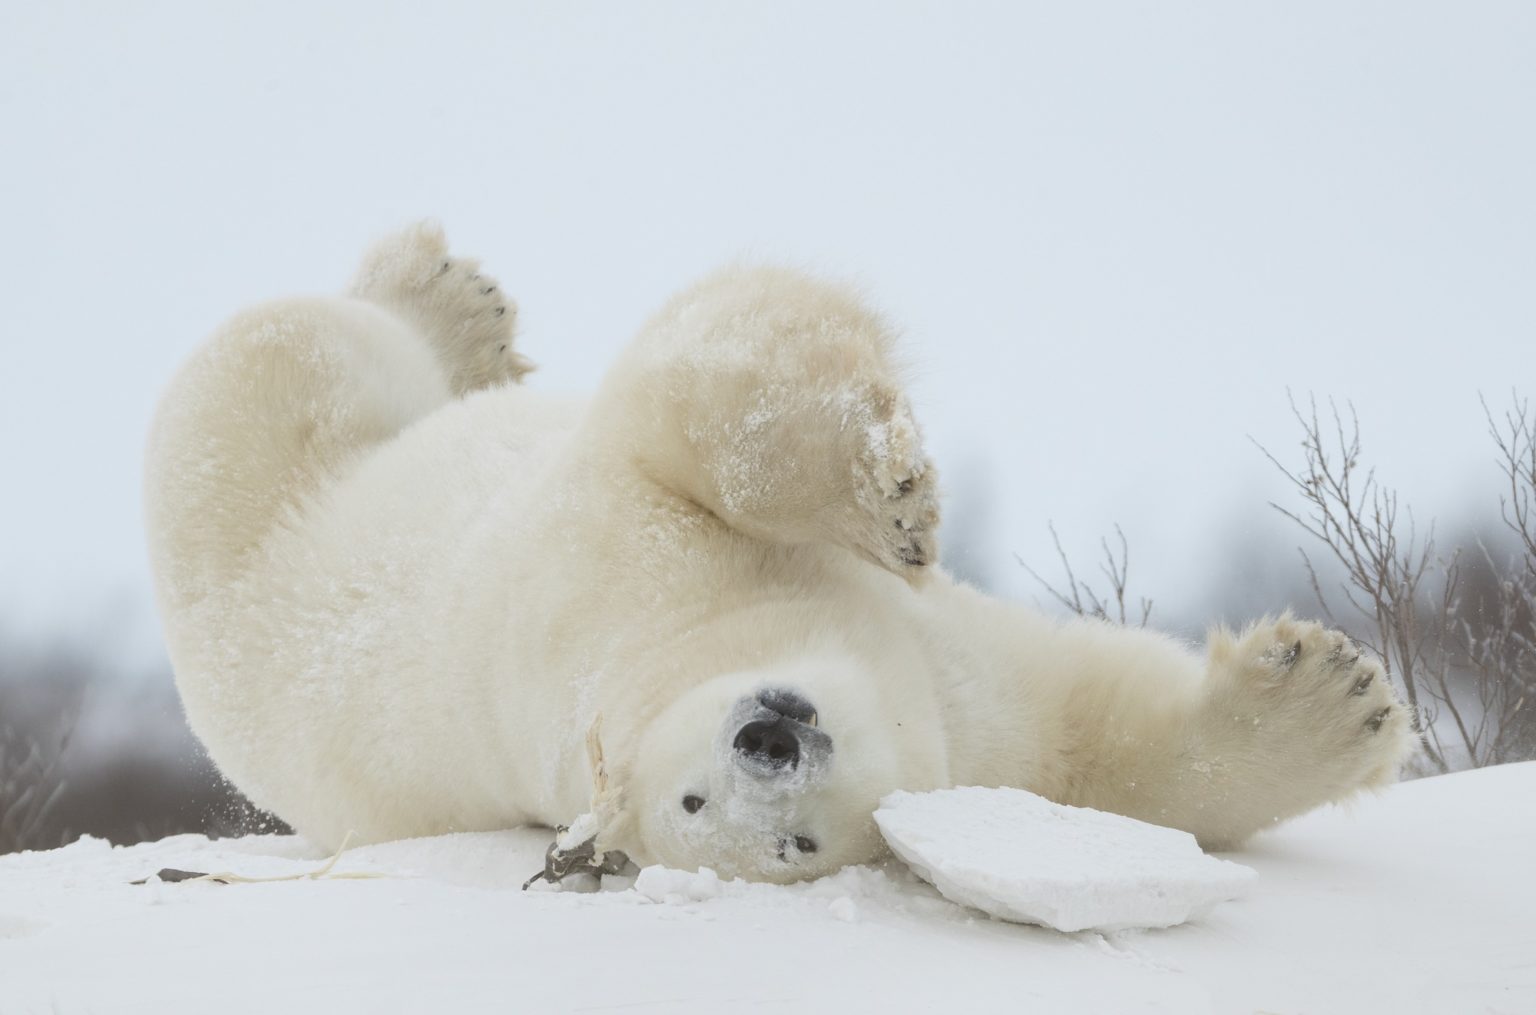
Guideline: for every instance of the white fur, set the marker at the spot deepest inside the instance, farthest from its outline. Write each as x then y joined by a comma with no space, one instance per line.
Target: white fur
398,588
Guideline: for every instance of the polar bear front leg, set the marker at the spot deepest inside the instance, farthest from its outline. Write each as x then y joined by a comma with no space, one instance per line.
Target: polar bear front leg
770,399
802,466
1294,716
466,316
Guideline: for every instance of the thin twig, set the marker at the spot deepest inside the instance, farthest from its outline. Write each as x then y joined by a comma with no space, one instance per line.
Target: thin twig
1081,598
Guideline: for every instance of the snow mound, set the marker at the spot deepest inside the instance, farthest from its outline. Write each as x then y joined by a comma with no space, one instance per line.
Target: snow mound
1025,859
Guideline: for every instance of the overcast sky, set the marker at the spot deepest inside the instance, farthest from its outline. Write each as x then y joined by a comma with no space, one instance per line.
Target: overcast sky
1112,234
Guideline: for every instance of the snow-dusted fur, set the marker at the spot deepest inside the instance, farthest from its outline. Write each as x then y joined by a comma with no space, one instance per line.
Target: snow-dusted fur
398,588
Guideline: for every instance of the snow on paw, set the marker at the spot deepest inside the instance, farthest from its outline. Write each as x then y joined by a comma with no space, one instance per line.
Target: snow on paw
897,491
469,319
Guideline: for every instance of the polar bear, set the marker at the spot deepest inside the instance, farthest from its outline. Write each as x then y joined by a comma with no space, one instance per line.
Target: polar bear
398,588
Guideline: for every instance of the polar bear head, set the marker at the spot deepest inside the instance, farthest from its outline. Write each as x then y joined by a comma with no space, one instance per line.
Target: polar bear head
769,775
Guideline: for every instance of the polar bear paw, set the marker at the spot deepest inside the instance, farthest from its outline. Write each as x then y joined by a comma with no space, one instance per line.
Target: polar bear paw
1324,708
897,492
468,318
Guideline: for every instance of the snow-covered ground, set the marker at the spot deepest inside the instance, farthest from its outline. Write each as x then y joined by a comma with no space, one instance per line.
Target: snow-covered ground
1421,900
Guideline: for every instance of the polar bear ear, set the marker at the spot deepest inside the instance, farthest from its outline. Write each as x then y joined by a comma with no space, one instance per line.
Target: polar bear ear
610,807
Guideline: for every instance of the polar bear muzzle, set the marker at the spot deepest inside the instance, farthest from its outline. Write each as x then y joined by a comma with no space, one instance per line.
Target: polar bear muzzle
775,731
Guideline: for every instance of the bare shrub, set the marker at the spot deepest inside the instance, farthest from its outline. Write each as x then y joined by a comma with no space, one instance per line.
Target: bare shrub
31,785
1464,665
1085,601
1515,437
1502,651
89,748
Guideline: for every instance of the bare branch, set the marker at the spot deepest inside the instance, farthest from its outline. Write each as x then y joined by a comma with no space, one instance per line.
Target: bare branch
1081,598
30,786
1468,669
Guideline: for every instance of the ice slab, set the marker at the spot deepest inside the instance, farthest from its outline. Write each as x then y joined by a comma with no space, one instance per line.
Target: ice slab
1023,858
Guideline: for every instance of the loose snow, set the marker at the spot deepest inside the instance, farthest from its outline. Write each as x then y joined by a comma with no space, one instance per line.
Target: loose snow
1419,900
662,885
1021,857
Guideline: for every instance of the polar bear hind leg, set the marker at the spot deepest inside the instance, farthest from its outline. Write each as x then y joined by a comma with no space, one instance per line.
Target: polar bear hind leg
286,396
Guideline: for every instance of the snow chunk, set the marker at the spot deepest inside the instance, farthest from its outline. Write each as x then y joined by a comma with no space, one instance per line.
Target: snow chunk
661,884
1023,858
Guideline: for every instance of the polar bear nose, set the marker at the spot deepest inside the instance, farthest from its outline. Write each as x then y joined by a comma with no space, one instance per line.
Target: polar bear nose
771,743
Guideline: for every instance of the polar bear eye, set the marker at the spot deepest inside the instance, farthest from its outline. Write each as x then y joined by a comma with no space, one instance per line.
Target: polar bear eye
805,844
692,803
